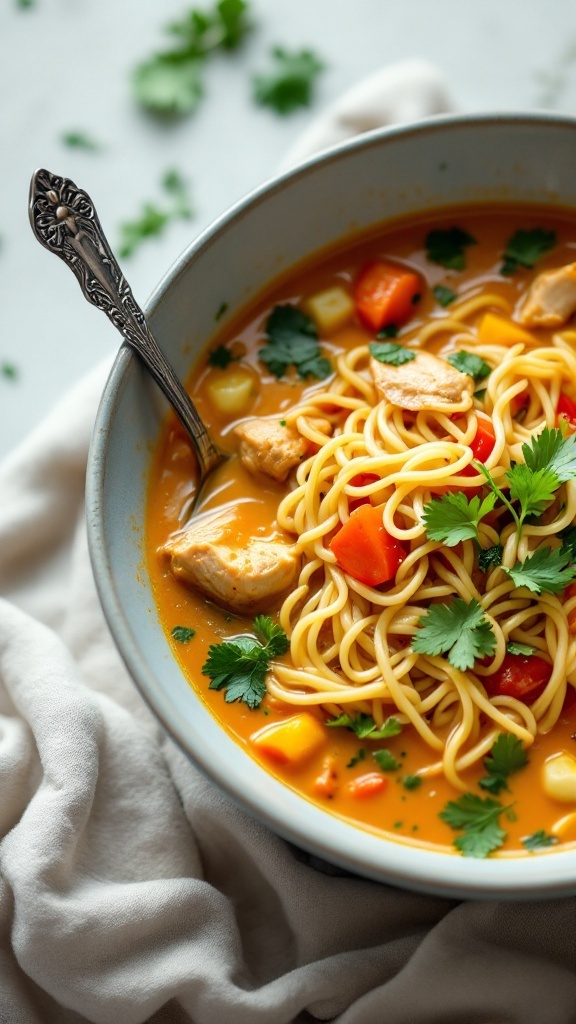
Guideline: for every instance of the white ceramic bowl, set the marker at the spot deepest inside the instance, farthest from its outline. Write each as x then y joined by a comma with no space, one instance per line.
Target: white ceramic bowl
395,172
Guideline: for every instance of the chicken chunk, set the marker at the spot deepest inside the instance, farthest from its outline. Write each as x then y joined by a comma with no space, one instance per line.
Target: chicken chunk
267,446
243,577
426,382
551,300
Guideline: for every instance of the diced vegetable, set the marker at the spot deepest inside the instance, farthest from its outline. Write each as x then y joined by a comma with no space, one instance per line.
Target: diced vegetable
325,783
566,411
330,309
291,741
498,330
365,550
521,676
559,778
483,441
565,828
232,391
385,293
367,785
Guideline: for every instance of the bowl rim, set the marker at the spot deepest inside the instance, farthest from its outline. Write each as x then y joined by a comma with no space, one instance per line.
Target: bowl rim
415,867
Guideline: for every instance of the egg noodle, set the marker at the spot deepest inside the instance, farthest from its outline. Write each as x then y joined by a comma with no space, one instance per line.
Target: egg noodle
350,643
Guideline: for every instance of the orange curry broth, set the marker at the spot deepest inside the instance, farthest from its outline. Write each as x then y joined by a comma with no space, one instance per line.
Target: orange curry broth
410,815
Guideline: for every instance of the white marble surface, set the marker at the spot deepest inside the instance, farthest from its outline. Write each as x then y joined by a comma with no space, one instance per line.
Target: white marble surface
66,64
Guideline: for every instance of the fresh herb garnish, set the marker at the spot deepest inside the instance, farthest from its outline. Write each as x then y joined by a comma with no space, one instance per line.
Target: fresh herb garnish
390,352
525,249
478,820
153,218
183,634
171,82
290,82
239,666
80,140
386,761
548,569
454,518
515,648
412,781
389,331
293,341
356,758
489,558
9,371
445,296
365,727
458,629
506,757
469,363
538,840
220,357
447,247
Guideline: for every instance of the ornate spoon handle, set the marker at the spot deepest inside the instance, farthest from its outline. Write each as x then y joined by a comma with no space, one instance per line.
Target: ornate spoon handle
65,221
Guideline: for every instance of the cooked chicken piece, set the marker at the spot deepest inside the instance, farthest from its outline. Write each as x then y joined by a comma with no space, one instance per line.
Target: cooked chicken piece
268,447
244,577
425,382
551,300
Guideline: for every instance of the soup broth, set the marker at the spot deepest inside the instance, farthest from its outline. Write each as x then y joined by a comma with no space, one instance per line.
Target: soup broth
424,582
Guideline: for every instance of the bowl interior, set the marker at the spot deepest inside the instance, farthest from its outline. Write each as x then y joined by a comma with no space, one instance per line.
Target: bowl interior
442,162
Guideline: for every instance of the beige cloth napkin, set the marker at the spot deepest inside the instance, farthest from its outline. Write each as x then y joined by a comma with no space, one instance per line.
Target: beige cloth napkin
131,889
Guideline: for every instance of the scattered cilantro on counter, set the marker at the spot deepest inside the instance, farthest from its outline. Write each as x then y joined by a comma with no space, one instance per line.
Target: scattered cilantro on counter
390,352
538,840
458,629
239,666
9,371
292,340
471,364
154,219
289,83
454,517
478,820
443,295
506,757
80,140
365,727
182,634
525,248
171,82
448,247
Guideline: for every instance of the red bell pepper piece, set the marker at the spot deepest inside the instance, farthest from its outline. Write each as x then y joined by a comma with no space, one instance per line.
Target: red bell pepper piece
523,676
566,410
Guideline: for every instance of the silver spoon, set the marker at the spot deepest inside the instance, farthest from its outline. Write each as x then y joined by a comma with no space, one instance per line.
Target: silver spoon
64,220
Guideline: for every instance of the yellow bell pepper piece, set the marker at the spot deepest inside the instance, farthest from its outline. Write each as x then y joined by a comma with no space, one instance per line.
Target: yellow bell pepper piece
499,330
291,741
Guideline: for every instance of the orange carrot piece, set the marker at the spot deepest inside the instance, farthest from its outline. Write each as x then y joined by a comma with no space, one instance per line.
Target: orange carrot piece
365,550
367,785
385,293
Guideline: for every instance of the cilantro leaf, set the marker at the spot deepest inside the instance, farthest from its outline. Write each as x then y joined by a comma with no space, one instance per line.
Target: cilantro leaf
568,538
153,219
506,757
9,371
183,634
175,186
364,726
454,518
554,452
290,82
220,357
239,666
516,648
447,247
548,569
412,781
386,761
478,819
525,248
459,630
469,363
356,758
390,352
170,82
489,558
534,490
538,840
389,331
445,296
293,341
80,140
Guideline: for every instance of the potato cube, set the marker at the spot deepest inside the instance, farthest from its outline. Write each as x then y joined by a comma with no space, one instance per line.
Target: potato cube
232,391
559,778
330,309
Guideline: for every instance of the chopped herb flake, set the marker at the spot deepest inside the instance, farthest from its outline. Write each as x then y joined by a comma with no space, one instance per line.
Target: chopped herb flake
471,364
390,352
290,82
447,247
459,630
183,634
539,840
525,248
445,296
293,341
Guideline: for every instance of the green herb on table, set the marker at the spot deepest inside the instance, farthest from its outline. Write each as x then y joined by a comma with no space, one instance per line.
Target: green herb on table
468,362
525,248
290,82
365,727
478,820
447,247
172,82
390,352
9,371
292,340
240,666
153,219
183,634
539,840
506,757
443,295
458,629
80,140
25,5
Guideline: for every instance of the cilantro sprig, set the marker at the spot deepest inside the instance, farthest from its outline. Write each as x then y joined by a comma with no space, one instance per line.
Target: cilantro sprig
525,248
459,629
479,822
447,247
290,82
506,757
239,666
172,82
390,352
153,219
549,569
292,340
